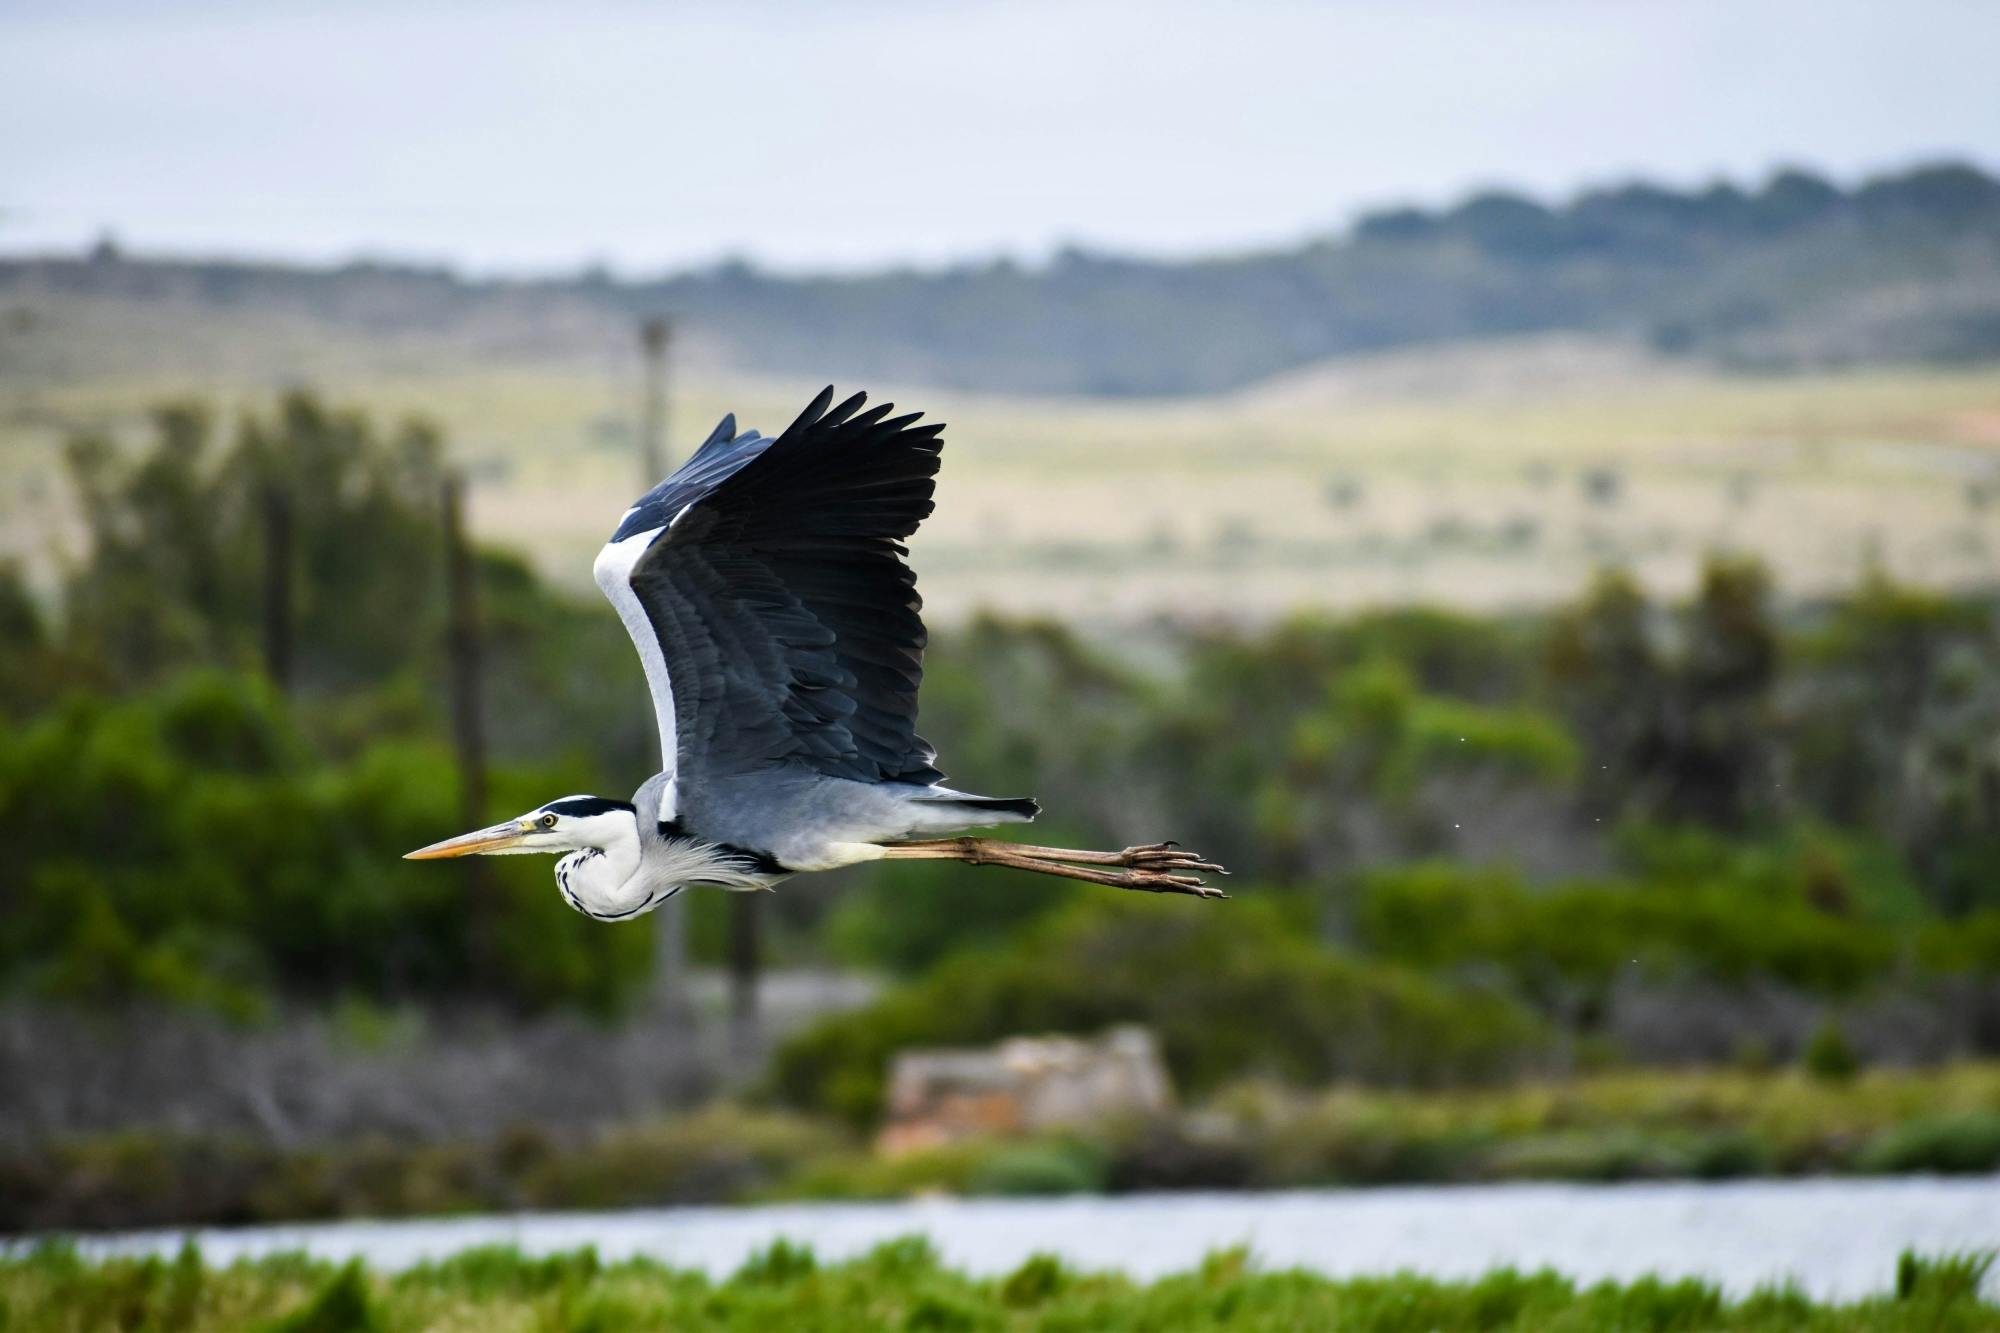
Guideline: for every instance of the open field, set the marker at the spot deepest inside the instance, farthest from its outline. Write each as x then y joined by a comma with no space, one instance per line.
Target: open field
1487,476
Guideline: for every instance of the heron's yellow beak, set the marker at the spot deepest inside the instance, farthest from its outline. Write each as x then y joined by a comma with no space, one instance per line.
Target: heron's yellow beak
495,839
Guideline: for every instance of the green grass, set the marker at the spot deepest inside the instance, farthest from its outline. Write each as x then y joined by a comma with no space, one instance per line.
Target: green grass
901,1285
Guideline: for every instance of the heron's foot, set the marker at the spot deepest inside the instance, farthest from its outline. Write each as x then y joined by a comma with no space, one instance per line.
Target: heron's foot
1162,881
1167,856
1157,867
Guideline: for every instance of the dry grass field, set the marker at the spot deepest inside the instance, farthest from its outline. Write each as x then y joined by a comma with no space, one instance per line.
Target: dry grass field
1486,476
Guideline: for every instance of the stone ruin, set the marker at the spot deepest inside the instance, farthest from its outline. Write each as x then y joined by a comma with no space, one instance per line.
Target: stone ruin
1024,1085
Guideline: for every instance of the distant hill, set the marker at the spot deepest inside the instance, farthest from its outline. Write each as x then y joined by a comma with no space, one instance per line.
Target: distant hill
1797,272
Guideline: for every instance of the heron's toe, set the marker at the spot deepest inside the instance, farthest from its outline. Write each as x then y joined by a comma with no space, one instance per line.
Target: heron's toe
1169,857
1160,881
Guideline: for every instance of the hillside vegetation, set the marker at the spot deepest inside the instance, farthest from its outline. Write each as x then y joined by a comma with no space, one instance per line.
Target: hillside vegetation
1794,272
1474,407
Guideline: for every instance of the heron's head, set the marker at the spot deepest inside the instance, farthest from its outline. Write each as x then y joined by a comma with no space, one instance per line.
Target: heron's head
567,825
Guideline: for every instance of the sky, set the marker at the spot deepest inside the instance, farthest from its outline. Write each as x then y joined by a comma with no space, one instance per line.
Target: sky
502,137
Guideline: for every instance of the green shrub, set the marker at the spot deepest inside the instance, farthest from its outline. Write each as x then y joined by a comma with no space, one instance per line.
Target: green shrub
905,1257
910,914
1552,943
1039,1278
1965,1143
503,1270
1945,1279
864,1174
1355,1137
778,1264
1727,1153
1041,1168
1611,1153
182,845
717,1155
344,1305
1828,1056
1194,972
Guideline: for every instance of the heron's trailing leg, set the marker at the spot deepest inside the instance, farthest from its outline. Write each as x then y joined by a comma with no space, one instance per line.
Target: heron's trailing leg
1159,867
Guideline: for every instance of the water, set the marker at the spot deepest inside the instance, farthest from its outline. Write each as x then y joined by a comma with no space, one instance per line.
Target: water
1836,1238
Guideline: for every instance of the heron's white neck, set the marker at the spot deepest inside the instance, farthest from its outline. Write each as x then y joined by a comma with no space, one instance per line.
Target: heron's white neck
603,880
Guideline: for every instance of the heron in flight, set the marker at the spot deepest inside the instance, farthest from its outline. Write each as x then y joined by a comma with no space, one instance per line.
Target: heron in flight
764,586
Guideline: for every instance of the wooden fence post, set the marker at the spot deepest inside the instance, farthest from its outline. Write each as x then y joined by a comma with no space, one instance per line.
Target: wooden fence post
744,948
277,507
654,335
468,725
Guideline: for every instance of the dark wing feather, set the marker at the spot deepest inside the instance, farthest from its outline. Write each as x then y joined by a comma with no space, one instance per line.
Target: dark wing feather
787,618
721,455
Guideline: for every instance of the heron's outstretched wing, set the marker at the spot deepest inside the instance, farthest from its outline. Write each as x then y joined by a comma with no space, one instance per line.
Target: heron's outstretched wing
765,588
723,453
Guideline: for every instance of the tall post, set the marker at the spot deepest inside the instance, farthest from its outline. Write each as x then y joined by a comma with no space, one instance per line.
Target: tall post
670,951
743,961
467,714
277,507
654,336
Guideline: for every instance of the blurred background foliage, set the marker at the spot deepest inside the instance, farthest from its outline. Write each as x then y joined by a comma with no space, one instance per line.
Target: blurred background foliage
1461,844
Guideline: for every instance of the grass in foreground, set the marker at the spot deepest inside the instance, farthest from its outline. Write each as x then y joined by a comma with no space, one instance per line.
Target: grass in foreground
901,1285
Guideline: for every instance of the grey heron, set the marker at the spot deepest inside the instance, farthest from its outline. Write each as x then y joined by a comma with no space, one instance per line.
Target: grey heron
764,586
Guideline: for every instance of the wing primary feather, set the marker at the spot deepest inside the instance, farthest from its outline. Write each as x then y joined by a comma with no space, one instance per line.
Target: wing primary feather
725,430
814,411
839,415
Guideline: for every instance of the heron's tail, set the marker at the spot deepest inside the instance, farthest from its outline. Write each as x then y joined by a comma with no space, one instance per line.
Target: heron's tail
1022,808
985,809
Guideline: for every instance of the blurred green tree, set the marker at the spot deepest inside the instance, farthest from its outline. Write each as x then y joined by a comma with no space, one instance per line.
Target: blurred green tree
176,544
1677,718
186,844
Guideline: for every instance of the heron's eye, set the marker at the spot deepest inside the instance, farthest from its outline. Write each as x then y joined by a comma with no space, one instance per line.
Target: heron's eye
548,821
